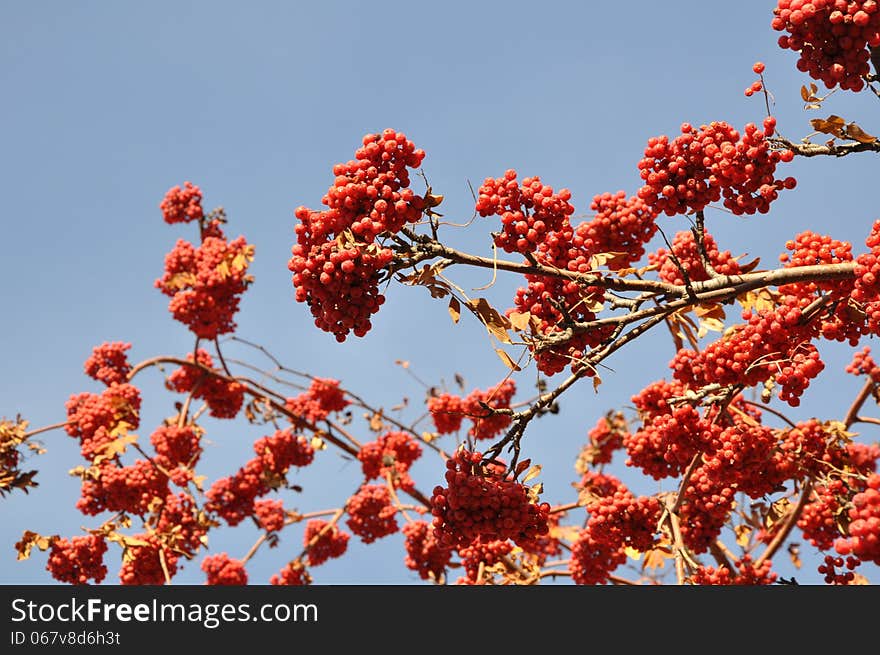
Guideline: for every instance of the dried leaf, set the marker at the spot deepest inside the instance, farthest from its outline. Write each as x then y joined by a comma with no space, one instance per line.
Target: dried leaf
495,322
522,466
565,532
29,540
603,258
832,125
596,382
805,94
632,553
794,552
856,133
743,535
533,473
454,309
777,511
656,558
761,301
508,361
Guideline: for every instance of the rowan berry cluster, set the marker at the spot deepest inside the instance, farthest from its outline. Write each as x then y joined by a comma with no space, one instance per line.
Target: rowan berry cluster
96,419
758,85
447,412
700,167
224,397
324,542
621,225
232,498
224,570
147,562
481,553
528,211
389,457
605,438
864,524
685,254
322,398
479,501
371,513
831,36
424,554
292,575
337,261
78,560
745,573
182,205
108,363
205,283
829,569
479,406
177,447
131,489
863,364
270,514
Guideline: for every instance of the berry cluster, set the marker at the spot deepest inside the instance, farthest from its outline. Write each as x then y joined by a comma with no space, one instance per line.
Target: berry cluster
621,225
224,570
446,411
863,364
746,573
182,205
480,502
371,513
486,423
864,524
700,166
205,283
424,554
331,543
129,489
316,403
270,514
829,567
832,37
605,437
705,509
181,523
666,443
389,457
556,304
78,560
336,262
773,344
223,397
146,561
528,211
177,450
685,254
292,575
481,553
93,418
233,497
108,363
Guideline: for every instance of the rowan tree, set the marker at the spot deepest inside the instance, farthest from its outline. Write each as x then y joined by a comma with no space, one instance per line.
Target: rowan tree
742,484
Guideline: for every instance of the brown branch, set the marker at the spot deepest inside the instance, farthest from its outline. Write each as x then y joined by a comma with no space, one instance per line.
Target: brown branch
787,527
54,426
815,149
863,395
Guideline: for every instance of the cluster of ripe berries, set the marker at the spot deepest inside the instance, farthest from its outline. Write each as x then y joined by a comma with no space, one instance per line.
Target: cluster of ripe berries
833,38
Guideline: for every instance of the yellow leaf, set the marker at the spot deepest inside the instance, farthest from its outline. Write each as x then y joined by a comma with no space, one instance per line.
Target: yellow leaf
520,320
181,280
656,558
596,382
508,362
794,552
632,553
603,258
565,532
454,309
496,323
777,511
743,535
532,473
318,443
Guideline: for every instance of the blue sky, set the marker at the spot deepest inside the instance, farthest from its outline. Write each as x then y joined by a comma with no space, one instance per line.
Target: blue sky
107,105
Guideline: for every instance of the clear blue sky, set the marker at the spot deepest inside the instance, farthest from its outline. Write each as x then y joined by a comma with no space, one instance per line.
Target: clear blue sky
107,105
